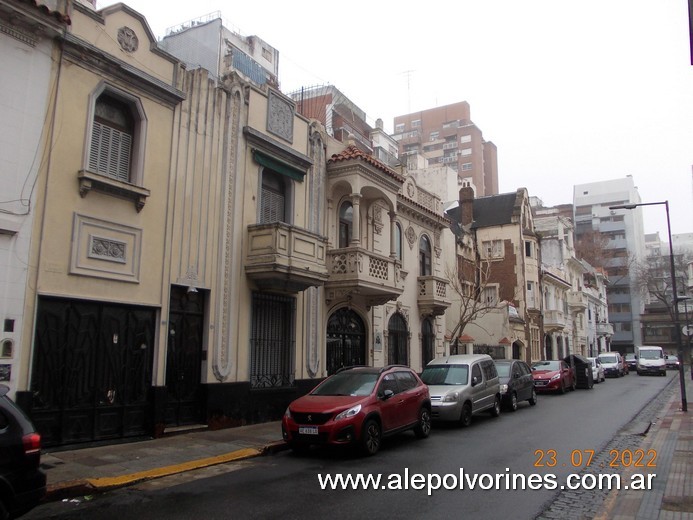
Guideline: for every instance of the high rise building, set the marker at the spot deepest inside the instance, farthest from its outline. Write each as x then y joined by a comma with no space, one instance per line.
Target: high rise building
447,135
618,240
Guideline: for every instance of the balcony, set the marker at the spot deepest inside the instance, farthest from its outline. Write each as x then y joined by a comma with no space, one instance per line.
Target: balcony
285,257
577,300
355,272
433,295
554,321
605,329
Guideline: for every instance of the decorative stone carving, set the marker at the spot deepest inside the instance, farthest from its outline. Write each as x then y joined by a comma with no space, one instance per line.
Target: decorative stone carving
280,117
128,39
106,249
411,236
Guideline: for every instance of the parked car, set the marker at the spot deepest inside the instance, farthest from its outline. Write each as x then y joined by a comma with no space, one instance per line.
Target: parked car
359,406
613,363
462,386
672,362
22,482
651,360
631,361
553,376
516,383
597,370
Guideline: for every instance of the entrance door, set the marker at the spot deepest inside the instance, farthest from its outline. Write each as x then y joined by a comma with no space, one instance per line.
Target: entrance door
428,339
346,340
184,357
92,370
397,339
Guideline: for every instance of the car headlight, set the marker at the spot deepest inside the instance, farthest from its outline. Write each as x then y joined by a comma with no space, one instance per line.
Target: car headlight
348,413
287,413
503,389
451,397
557,376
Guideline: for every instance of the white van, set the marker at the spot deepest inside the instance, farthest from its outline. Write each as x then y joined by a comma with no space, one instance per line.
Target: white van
651,361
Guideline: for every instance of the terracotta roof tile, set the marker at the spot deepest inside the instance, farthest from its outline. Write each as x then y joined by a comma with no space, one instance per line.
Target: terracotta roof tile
352,152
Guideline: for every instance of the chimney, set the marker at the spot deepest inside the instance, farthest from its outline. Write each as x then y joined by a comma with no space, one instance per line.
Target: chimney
466,206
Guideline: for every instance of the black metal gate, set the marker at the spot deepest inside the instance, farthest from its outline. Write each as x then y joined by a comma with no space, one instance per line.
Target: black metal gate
91,372
184,357
397,340
346,340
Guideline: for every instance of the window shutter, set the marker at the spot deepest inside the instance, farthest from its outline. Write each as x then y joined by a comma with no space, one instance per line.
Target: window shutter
110,152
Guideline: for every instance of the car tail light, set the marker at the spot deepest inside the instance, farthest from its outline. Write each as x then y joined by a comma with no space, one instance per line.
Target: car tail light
32,443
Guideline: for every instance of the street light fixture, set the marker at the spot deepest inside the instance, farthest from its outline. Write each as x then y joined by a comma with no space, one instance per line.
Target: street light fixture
677,322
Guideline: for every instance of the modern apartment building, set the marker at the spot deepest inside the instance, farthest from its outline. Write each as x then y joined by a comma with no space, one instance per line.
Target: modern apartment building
623,243
446,135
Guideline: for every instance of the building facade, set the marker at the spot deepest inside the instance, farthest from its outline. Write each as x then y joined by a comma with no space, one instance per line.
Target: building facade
624,247
28,35
447,136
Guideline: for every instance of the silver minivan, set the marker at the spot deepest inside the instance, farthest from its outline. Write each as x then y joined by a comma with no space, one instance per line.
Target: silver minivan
462,386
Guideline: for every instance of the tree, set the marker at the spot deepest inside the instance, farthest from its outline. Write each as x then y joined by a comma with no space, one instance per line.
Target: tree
652,277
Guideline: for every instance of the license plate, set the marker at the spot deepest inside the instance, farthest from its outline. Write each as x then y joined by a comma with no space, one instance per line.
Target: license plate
308,430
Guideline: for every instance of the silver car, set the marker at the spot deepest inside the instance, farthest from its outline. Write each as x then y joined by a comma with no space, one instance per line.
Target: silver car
462,386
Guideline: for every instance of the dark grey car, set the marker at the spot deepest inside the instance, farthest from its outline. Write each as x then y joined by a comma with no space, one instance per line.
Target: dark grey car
22,483
516,383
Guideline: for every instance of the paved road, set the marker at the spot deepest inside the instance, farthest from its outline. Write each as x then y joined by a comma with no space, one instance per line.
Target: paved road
286,485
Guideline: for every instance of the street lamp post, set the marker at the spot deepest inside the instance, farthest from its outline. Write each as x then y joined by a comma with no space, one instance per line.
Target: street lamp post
677,322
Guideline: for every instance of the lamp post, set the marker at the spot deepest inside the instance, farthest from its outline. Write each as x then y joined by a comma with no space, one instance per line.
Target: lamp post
677,323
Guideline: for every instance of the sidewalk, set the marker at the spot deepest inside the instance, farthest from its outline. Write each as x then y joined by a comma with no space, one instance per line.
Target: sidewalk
671,496
85,471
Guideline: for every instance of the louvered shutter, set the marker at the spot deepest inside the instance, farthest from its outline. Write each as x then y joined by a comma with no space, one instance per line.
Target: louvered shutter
110,152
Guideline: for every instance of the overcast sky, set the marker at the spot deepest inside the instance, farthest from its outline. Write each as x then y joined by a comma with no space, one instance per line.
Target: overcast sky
570,92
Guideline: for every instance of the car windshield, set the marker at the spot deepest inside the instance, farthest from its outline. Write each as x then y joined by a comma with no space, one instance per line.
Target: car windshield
630,357
503,369
546,365
445,375
348,383
650,354
608,359
673,359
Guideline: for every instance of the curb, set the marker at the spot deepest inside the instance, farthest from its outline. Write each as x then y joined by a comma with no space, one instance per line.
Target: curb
90,486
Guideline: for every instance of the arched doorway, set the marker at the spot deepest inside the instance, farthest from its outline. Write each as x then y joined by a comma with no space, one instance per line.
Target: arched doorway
346,340
397,340
428,342
517,350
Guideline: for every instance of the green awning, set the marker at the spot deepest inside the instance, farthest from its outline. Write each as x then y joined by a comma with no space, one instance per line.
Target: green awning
278,166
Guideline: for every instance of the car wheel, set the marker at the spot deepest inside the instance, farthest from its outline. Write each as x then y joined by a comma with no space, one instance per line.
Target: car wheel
4,514
371,437
533,399
466,415
423,429
573,386
562,386
496,410
513,402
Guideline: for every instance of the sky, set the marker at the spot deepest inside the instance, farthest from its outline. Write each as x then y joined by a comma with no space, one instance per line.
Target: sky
569,92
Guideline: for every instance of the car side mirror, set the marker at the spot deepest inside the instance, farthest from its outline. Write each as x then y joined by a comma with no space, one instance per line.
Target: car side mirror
387,394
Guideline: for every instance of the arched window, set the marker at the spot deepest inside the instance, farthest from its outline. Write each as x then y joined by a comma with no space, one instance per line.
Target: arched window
112,138
273,197
346,223
424,256
398,241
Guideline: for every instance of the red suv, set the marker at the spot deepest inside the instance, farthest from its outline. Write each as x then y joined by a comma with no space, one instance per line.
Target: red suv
359,406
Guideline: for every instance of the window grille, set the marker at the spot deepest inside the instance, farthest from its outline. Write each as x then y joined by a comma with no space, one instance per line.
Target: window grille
272,341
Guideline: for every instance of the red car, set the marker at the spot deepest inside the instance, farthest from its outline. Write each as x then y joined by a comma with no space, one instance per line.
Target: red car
553,376
359,406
